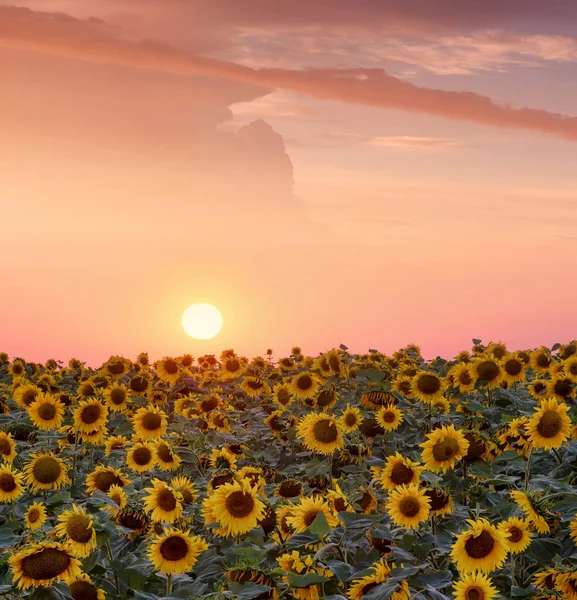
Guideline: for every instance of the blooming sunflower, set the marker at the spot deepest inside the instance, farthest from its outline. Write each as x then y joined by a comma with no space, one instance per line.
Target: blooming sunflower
561,387
481,548
462,378
442,503
304,386
185,487
408,505
529,504
7,447
103,478
274,423
46,412
140,384
25,394
320,433
119,497
475,586
166,458
513,368
350,419
235,506
518,534
176,551
402,385
389,417
282,394
141,457
17,368
546,580
487,371
168,370
304,514
399,470
35,516
163,502
541,359
381,572
443,447
82,588
77,527
45,471
150,422
566,583
90,415
427,386
117,397
550,426
11,487
42,564
115,442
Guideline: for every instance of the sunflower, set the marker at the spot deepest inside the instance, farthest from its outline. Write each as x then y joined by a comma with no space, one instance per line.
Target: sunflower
289,489
462,378
103,478
321,364
513,368
254,477
98,436
176,551
566,583
116,367
443,447
140,384
77,528
518,534
231,367
221,458
381,572
350,419
168,370
281,394
402,385
150,422
482,548
487,371
534,512
389,417
117,494
274,423
35,516
166,458
284,530
254,386
235,507
17,368
133,519
321,433
219,421
90,415
45,471
141,457
376,399
549,427
407,506
367,502
163,502
561,387
25,394
7,447
427,386
304,514
11,487
475,586
82,588
546,580
570,368
442,503
398,471
42,564
185,487
326,399
541,359
117,397
304,386
115,442
537,388
46,412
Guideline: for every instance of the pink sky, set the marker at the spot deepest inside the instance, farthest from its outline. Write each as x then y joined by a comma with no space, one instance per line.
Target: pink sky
372,176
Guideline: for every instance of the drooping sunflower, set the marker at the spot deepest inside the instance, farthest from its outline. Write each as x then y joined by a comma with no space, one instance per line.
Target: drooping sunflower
11,487
103,478
304,514
117,397
350,419
82,588
42,564
389,417
550,426
367,501
546,580
529,504
443,447
304,386
427,386
7,447
46,412
150,422
77,527
289,489
475,586
115,442
235,506
566,583
481,548
282,394
163,502
90,415
35,516
320,433
117,494
442,503
132,518
46,471
168,370
141,457
382,571
399,470
185,487
376,399
402,385
518,534
275,424
176,551
408,505
166,458
219,421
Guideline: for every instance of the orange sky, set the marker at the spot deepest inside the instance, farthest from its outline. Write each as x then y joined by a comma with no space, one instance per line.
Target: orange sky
371,176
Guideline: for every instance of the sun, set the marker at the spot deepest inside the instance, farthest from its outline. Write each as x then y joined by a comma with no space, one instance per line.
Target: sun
202,321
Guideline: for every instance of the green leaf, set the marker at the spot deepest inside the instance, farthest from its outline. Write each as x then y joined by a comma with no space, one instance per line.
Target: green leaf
341,570
382,591
372,374
519,592
320,525
300,581
435,595
248,590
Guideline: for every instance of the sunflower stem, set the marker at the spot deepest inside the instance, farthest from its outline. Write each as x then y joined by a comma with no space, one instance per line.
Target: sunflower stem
528,470
513,578
74,457
169,584
111,558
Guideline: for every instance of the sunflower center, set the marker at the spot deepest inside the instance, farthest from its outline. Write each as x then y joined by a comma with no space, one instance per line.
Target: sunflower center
219,480
477,446
138,383
428,384
46,469
563,388
163,452
117,396
79,529
513,367
166,500
310,516
47,411
170,367
465,378
142,456
340,505
255,384
480,546
5,447
550,424
48,563
474,593
488,370
335,363
409,507
439,499
91,414
367,588
83,590
104,480
33,515
325,398
543,361
388,416
289,489
350,419
239,504
7,482
304,382
325,431
116,368
233,365
515,534
151,421
132,520
174,548
445,449
208,405
401,474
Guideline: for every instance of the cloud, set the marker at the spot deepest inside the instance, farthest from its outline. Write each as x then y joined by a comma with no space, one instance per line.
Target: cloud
92,41
393,141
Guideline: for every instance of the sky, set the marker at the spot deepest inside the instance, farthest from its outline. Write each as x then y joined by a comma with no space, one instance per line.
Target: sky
371,174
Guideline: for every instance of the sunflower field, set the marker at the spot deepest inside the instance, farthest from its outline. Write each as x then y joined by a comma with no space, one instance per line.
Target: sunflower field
339,476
